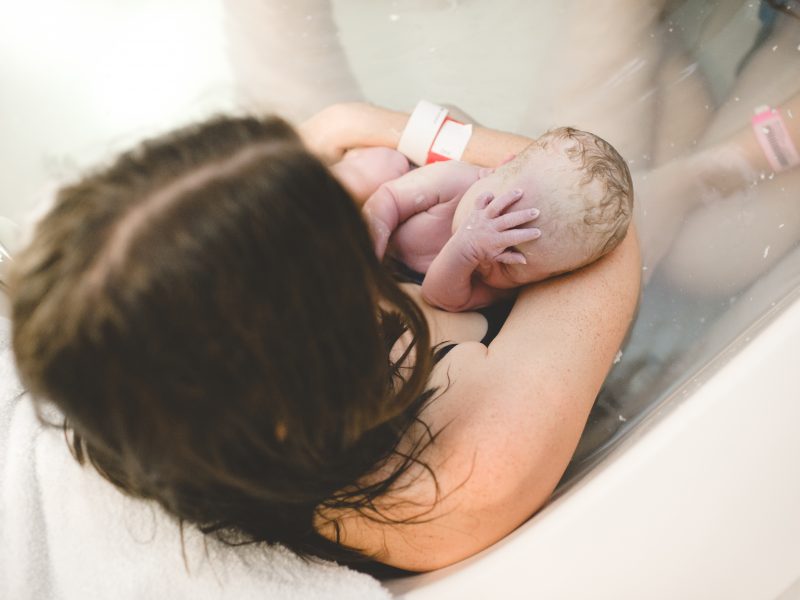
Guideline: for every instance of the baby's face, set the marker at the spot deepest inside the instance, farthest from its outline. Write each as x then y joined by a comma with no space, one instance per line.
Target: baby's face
543,174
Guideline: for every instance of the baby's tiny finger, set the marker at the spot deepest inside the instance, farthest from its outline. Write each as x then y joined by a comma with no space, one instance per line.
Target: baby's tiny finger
516,218
512,237
503,201
510,257
483,200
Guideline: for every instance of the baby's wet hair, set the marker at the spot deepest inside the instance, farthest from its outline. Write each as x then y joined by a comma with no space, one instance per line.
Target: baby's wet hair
601,163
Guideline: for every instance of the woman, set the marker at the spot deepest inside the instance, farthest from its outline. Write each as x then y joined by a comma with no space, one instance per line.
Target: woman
209,316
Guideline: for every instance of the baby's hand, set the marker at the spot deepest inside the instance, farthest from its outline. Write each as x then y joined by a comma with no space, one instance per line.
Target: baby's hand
434,189
491,229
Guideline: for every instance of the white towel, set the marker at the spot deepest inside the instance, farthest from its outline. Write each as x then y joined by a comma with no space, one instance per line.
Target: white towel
66,533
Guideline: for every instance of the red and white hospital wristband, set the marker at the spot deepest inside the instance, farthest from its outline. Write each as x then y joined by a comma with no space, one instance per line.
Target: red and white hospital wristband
430,135
773,136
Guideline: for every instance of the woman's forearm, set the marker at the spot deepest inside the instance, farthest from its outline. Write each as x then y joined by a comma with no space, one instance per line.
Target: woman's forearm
490,147
552,355
574,325
515,411
342,126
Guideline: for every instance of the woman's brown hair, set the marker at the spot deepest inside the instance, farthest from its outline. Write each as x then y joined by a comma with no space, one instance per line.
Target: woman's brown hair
209,316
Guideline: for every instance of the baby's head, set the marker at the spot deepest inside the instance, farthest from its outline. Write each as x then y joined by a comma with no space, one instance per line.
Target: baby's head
583,189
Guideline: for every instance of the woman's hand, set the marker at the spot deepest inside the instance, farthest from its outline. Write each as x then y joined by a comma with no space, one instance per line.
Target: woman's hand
324,134
363,170
337,128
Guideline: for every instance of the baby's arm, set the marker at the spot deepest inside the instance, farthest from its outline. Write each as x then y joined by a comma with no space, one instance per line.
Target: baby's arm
419,190
485,237
362,170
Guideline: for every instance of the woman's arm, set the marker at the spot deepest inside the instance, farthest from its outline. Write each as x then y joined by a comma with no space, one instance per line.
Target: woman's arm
340,127
518,407
510,417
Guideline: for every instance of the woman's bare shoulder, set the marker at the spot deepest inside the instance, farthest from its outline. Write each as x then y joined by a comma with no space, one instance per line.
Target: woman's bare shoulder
466,495
508,418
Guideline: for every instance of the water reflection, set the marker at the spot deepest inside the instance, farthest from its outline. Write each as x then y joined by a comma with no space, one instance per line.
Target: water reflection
736,216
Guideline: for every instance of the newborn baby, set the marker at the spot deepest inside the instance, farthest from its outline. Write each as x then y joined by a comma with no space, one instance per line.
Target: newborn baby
470,230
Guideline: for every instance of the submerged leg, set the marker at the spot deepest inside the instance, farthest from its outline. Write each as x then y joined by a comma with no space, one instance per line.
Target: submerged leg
287,57
728,242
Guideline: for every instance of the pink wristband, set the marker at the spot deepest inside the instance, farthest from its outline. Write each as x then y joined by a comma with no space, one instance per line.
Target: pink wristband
421,130
773,136
450,141
430,135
